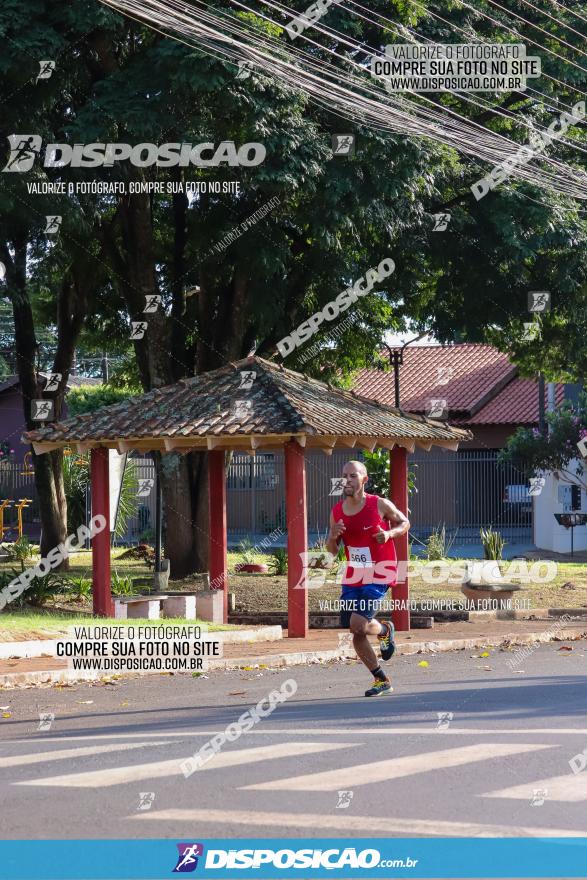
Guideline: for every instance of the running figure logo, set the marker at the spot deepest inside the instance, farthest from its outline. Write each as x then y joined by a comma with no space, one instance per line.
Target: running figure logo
46,68
24,148
344,800
343,144
153,301
52,224
539,301
187,860
441,222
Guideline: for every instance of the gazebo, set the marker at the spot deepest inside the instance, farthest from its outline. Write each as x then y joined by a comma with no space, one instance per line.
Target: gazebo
246,406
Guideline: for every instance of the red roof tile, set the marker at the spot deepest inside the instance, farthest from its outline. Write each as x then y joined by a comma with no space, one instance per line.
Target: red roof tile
482,387
517,404
475,370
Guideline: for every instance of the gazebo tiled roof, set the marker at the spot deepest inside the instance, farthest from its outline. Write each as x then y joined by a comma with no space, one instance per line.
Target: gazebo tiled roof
218,410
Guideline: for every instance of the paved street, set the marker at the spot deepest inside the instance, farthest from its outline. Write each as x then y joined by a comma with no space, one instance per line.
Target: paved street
498,766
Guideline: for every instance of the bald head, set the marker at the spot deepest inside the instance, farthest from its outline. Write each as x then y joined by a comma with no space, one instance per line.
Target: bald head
355,476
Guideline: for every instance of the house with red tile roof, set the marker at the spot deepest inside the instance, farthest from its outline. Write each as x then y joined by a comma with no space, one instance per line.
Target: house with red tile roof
481,387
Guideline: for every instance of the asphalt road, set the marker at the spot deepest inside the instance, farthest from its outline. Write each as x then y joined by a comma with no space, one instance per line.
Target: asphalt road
496,763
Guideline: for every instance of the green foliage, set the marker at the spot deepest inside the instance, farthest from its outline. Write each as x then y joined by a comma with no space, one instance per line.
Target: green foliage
377,464
122,585
278,563
76,479
554,450
247,554
79,588
493,543
44,587
437,546
88,398
19,551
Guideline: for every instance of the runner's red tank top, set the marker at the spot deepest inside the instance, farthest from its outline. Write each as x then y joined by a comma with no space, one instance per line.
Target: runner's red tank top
361,550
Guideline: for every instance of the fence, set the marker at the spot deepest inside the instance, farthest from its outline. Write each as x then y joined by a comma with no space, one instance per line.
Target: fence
464,491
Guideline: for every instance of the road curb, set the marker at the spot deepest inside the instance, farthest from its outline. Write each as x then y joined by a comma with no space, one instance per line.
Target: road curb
299,658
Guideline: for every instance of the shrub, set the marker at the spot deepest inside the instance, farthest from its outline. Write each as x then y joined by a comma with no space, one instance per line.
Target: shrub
278,563
493,543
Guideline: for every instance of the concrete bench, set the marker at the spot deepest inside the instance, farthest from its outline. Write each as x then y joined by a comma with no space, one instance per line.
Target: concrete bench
146,607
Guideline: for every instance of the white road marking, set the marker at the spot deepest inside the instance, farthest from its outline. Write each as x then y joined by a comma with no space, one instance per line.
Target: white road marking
381,826
158,769
63,754
571,788
430,730
395,768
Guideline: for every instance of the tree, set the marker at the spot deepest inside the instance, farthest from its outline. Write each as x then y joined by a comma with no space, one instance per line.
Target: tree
555,450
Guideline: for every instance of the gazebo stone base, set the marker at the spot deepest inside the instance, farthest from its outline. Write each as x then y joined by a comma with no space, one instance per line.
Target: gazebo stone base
210,605
180,605
145,607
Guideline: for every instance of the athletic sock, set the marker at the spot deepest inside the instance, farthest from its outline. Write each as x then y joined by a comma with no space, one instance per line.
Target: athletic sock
379,673
384,630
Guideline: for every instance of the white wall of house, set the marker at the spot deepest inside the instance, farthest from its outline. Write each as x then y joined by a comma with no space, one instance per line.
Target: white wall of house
548,534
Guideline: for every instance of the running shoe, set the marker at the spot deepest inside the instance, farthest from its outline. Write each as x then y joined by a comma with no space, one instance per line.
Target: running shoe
379,687
386,642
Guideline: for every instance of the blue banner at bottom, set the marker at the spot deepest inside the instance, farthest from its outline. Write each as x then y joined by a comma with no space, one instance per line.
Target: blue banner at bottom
556,857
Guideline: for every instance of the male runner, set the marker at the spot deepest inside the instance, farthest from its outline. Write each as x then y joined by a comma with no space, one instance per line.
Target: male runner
362,522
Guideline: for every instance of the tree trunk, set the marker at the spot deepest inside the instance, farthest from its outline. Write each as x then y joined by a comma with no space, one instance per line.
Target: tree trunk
48,474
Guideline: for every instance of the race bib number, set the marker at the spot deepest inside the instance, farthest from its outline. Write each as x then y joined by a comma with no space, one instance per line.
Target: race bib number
360,556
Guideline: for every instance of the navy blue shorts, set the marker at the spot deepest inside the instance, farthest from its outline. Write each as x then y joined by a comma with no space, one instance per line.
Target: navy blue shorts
365,601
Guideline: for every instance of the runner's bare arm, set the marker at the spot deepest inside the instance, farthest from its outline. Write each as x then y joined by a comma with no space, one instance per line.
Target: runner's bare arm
389,511
334,535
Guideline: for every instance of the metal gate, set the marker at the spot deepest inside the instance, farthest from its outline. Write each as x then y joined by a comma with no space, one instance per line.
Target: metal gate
469,490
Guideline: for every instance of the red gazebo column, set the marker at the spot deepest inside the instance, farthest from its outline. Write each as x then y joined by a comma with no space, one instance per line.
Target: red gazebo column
297,540
217,540
101,590
398,472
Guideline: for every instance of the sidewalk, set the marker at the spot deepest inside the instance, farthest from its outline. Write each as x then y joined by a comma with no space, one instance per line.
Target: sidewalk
325,646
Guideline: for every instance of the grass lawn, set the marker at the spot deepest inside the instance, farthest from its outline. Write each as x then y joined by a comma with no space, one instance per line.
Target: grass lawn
268,592
18,626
